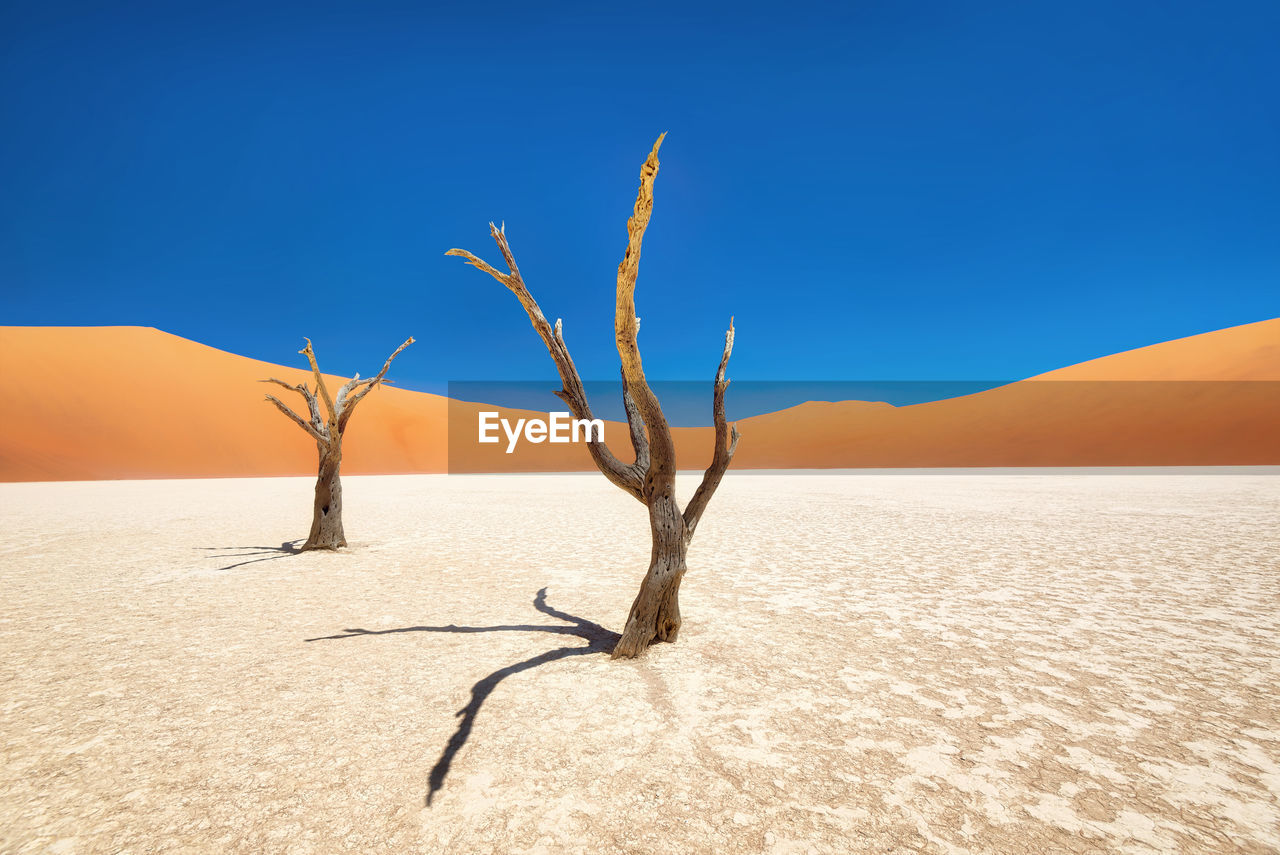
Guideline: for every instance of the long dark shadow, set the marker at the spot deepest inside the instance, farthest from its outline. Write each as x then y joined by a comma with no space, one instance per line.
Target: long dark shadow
599,640
289,547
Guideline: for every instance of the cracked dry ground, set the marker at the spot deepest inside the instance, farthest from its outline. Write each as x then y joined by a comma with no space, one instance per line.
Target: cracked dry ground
985,663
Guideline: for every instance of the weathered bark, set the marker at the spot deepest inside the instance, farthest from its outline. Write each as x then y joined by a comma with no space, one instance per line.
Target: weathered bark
326,518
655,613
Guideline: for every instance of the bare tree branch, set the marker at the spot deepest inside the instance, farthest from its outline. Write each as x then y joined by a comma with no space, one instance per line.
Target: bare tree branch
316,419
629,478
726,444
639,438
662,451
345,410
300,388
316,434
574,393
341,400
312,406
324,390
481,264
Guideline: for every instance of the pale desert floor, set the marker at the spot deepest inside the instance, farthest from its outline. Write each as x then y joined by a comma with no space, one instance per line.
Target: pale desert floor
890,663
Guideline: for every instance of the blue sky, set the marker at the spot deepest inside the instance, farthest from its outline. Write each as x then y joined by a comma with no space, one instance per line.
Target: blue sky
897,190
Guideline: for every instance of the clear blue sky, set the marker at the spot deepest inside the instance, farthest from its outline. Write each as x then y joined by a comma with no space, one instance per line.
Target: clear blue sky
894,190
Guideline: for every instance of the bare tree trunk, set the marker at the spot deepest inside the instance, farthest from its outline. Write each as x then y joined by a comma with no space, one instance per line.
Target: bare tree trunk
326,521
655,613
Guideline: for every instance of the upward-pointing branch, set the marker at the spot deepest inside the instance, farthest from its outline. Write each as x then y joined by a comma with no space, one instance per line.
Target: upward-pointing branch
310,354
726,444
363,387
628,477
626,329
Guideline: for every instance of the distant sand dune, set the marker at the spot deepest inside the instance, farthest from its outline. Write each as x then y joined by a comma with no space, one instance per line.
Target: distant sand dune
131,402
134,402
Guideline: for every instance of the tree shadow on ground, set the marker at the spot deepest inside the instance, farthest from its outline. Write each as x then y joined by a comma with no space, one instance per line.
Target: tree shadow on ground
289,547
599,640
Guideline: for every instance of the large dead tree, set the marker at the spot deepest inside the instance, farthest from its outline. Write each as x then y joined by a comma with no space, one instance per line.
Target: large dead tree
655,614
327,430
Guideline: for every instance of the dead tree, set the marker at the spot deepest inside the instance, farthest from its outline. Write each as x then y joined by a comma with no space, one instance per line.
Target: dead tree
655,614
327,430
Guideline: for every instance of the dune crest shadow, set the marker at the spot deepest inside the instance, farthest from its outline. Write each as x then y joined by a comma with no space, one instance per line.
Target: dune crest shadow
599,640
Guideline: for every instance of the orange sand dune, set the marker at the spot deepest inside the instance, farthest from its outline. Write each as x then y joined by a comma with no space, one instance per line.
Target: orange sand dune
1032,423
130,402
134,402
1211,399
1247,352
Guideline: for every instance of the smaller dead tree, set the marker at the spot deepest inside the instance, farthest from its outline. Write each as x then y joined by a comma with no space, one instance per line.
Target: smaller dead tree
327,430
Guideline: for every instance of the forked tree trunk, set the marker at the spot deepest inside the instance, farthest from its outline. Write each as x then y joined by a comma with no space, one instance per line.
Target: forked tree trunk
326,521
655,613
327,430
